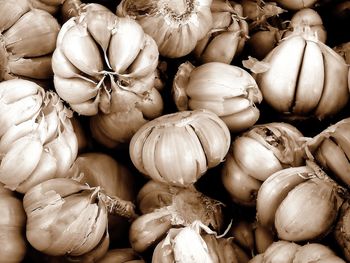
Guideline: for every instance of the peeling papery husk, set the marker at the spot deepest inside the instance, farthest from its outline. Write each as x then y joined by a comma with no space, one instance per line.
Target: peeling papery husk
311,144
283,139
101,170
184,245
65,217
176,26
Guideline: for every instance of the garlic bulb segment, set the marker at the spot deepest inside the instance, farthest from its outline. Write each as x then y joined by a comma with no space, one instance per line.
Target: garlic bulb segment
176,26
37,131
281,251
13,246
241,187
189,142
228,34
223,249
331,150
296,4
312,84
127,110
341,230
26,45
300,211
148,229
70,220
226,90
286,251
183,245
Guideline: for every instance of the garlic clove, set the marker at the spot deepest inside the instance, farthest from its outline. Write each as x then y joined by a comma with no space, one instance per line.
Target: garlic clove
260,163
37,68
11,11
45,170
62,67
125,44
81,50
29,38
75,90
20,161
146,61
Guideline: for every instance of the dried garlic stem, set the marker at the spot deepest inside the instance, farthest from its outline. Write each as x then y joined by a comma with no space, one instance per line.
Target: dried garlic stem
118,206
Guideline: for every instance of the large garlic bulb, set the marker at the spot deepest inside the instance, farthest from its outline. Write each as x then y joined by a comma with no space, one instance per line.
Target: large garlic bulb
176,25
105,66
178,148
37,139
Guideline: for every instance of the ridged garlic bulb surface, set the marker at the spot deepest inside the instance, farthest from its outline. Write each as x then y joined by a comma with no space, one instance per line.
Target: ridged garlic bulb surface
37,139
304,78
178,148
105,66
227,90
175,25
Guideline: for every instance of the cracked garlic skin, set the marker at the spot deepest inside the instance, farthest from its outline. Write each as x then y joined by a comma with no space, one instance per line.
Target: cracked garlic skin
178,148
106,67
64,217
37,139
258,153
175,25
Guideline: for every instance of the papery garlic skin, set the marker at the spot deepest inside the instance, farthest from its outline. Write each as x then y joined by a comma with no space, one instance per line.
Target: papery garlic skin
178,148
26,45
64,217
105,67
228,34
256,154
176,26
183,245
37,139
304,78
227,90
331,150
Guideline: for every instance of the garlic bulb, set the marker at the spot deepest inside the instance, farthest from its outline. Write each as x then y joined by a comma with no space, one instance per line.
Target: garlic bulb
227,37
66,217
106,66
258,153
228,91
300,203
26,45
331,150
37,139
175,25
178,148
304,78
